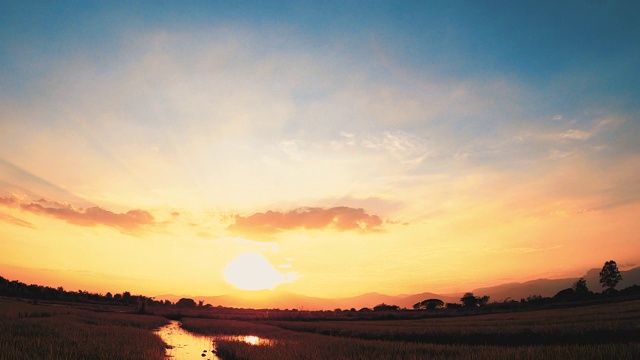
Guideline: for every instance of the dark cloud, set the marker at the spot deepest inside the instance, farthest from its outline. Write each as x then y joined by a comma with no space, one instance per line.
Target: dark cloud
129,221
340,218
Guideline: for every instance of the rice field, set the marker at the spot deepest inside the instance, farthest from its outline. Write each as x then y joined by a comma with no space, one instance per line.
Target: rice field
606,331
29,331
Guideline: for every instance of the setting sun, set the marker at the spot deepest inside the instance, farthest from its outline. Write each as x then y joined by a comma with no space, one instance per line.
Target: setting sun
252,271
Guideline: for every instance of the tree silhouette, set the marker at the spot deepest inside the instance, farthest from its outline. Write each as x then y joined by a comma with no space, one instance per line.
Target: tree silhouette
567,294
186,303
469,301
385,307
580,287
429,304
610,275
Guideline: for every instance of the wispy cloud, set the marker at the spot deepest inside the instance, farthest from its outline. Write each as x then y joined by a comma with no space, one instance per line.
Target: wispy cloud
588,131
339,218
398,145
403,146
92,216
16,221
576,134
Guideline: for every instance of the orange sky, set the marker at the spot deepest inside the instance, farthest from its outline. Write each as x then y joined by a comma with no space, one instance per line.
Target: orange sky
156,156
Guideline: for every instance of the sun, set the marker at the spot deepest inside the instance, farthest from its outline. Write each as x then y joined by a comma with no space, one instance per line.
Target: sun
252,271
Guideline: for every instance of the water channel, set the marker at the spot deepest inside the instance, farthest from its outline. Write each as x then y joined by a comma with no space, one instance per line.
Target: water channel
183,344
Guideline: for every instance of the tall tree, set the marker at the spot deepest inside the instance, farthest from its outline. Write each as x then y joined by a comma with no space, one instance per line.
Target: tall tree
610,275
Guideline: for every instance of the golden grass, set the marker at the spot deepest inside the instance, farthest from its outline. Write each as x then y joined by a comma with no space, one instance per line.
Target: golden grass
60,332
550,334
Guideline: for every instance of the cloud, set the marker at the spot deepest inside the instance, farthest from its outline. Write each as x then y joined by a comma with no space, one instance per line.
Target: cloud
576,134
397,145
129,221
403,146
9,201
311,218
16,221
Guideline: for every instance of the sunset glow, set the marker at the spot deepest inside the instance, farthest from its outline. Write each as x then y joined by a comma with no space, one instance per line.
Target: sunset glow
252,271
328,150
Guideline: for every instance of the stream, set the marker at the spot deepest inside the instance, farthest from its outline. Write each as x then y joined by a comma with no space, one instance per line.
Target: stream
183,344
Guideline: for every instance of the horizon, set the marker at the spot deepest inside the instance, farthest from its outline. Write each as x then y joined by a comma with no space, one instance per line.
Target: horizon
264,297
323,150
529,292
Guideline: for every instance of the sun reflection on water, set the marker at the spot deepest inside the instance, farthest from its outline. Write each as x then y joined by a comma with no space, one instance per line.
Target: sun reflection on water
249,339
183,344
253,340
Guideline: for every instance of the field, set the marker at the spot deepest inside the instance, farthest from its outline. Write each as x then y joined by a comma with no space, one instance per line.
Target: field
605,331
58,331
29,331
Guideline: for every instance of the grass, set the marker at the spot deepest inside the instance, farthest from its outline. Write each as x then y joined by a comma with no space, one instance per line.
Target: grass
604,323
603,331
30,331
606,331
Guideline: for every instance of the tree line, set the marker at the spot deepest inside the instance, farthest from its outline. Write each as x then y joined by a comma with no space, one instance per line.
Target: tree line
609,278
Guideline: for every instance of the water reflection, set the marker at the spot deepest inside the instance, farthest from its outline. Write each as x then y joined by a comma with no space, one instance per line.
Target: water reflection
186,345
183,344
249,339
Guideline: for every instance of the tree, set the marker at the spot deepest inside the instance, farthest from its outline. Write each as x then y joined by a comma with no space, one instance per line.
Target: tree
483,301
429,304
580,287
186,303
565,294
610,275
469,301
385,307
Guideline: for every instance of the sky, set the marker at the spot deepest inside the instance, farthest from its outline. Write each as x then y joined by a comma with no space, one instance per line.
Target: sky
328,149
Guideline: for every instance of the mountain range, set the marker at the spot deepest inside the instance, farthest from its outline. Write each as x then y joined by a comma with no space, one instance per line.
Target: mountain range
284,300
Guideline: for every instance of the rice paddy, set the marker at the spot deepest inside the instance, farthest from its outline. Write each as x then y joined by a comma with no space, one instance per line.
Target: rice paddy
29,331
602,331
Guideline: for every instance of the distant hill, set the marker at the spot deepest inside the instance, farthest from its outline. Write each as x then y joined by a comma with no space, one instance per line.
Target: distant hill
629,278
283,300
550,287
366,300
408,301
262,299
517,291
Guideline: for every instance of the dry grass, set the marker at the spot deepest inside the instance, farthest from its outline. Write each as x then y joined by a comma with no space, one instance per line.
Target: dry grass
555,334
606,331
57,332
